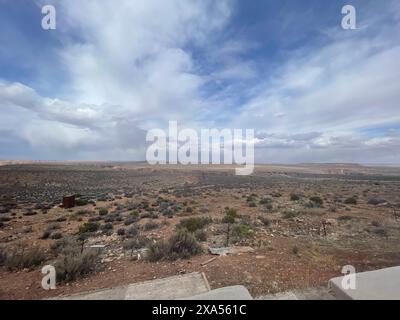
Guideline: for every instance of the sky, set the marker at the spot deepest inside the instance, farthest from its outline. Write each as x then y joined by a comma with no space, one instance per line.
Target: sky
111,70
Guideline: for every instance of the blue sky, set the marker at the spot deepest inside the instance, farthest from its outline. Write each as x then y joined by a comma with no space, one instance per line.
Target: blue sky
90,89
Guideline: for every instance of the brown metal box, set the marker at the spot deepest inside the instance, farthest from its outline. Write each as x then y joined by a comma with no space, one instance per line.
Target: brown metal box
68,202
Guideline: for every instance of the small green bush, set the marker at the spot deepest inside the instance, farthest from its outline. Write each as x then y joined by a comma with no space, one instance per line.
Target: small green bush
88,227
289,214
230,216
193,224
134,213
131,219
81,202
181,245
3,256
151,225
265,201
242,231
56,236
294,197
106,226
351,200
252,204
82,212
103,211
46,234
134,244
132,232
266,221
317,201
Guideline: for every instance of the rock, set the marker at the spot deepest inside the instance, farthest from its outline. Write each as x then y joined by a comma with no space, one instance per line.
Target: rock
230,250
220,251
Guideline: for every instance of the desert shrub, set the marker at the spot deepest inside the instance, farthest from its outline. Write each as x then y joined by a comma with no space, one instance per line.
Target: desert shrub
145,214
121,232
94,219
3,255
230,216
103,211
106,226
132,231
89,227
181,245
380,232
157,251
189,209
30,213
5,219
73,263
144,204
74,217
134,213
269,206
154,215
289,214
150,225
193,224
351,200
45,235
266,221
252,204
317,201
135,244
21,258
294,197
295,250
250,198
276,194
200,235
83,212
56,235
167,213
376,223
129,220
58,246
264,201
242,231
81,202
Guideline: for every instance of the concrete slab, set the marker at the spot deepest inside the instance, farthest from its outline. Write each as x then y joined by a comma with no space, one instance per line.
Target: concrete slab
318,293
226,293
170,288
383,284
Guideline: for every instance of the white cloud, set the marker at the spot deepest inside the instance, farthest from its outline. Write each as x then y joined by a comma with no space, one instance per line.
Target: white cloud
132,65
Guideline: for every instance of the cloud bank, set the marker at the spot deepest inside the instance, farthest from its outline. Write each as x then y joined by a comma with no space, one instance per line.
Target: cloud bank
120,68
